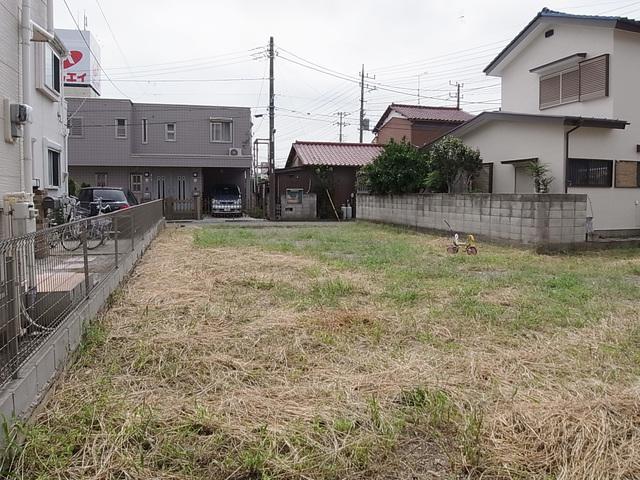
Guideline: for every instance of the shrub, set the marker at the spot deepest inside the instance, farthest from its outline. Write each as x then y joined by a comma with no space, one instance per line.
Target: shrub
400,168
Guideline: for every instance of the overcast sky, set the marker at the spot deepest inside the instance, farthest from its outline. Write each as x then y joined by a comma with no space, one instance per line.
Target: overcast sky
164,51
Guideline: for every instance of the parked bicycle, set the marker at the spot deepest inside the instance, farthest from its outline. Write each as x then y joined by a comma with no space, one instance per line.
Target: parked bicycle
99,229
69,236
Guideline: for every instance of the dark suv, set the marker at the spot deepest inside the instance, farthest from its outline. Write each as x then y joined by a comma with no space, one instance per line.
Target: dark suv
226,200
113,198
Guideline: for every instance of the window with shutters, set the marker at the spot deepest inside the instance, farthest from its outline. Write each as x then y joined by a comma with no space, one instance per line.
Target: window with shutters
594,78
560,88
75,126
627,174
586,81
587,172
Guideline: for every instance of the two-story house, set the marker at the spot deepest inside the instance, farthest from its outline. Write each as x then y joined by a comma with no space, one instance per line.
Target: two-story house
417,124
32,157
569,102
158,150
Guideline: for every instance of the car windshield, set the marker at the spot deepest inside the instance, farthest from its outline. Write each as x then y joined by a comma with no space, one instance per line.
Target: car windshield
109,195
227,190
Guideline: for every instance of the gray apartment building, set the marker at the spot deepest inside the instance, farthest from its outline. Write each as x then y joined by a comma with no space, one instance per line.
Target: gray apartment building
158,150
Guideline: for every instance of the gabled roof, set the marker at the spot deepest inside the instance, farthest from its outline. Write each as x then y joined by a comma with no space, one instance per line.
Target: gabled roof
333,154
425,114
566,120
548,16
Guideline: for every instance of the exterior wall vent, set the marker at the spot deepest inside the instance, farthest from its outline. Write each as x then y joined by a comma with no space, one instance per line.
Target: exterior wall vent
548,33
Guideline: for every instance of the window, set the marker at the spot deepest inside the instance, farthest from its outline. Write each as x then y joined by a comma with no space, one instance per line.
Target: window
74,124
586,172
182,188
221,131
136,182
121,128
594,78
627,174
294,195
559,88
588,80
54,168
51,69
170,132
145,132
101,179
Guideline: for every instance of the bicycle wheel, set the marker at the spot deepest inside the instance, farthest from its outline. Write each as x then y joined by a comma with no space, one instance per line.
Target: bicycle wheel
95,236
70,237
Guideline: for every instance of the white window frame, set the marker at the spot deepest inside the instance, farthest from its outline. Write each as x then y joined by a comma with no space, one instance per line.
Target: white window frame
220,121
43,51
145,131
126,128
51,182
166,132
131,182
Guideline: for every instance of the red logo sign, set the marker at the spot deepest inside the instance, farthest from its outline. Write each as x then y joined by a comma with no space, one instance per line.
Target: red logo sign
74,57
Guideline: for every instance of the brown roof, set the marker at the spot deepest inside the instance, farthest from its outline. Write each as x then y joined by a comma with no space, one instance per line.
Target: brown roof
333,154
425,113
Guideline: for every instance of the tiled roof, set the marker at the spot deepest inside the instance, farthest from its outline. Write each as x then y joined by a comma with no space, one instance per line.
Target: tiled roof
334,154
622,23
425,113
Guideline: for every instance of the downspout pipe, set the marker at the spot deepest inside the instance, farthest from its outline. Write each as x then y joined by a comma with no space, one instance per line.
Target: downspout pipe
566,155
50,28
27,145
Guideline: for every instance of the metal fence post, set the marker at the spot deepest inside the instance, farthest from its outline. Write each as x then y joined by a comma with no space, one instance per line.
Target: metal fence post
14,312
85,256
133,234
115,238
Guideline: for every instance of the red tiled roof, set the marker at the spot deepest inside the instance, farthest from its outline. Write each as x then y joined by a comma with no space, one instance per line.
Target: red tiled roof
425,113
334,154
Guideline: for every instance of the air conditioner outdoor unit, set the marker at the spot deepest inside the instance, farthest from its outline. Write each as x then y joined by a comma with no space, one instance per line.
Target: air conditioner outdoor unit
234,152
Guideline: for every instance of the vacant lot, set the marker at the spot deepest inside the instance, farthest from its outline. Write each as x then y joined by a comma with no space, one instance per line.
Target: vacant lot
354,351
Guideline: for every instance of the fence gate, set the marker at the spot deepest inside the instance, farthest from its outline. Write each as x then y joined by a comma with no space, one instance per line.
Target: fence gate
187,209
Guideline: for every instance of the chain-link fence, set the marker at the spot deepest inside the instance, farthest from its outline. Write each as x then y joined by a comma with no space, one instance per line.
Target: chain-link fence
46,274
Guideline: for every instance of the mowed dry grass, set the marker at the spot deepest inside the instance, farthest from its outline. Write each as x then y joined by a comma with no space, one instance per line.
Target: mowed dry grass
351,352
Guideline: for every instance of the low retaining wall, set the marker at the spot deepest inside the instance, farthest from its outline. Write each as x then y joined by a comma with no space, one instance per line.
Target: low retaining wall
20,396
543,219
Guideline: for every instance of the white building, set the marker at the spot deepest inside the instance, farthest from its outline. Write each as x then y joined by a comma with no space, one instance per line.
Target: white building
570,102
33,157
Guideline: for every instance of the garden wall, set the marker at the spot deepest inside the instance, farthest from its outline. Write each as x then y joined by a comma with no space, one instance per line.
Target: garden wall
535,219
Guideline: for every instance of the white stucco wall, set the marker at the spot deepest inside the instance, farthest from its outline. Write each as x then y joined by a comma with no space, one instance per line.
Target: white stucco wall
504,141
520,88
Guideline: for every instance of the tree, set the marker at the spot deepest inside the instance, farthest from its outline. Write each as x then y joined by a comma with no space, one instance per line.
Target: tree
541,177
452,165
400,168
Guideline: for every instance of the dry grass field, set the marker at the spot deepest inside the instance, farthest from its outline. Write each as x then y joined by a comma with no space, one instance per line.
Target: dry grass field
350,352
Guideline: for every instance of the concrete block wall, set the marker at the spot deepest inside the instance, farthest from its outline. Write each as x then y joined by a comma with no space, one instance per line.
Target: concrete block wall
19,397
299,211
533,219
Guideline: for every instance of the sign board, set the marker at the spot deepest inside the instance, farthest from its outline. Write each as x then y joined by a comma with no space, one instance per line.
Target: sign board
81,67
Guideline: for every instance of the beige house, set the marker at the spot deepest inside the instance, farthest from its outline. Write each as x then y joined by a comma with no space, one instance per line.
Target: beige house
570,102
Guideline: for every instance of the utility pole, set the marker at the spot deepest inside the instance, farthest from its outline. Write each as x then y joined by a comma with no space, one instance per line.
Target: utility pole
272,163
457,94
341,123
362,120
361,104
